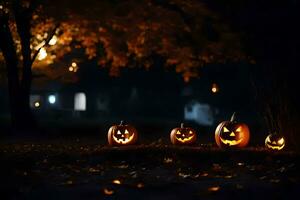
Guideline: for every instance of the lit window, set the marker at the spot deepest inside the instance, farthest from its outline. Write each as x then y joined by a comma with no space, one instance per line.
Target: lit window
52,99
80,102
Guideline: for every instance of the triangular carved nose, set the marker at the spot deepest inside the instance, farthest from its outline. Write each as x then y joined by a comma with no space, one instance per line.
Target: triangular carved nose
232,134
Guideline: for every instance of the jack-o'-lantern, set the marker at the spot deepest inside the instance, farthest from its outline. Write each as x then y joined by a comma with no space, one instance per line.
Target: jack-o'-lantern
232,134
183,135
275,141
122,134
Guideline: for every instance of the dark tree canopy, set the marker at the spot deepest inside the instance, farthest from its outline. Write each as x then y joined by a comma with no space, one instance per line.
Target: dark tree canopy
128,33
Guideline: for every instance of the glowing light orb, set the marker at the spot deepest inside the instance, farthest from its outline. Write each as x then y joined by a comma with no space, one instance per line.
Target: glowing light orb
53,40
74,64
214,88
37,104
42,54
73,67
52,99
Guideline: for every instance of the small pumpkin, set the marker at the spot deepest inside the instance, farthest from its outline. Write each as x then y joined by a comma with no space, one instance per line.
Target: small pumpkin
122,134
275,141
183,135
232,134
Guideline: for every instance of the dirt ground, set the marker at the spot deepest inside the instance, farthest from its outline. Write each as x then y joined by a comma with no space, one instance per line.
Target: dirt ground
78,169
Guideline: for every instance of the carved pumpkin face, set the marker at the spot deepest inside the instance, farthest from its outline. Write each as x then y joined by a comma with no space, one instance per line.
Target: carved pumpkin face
232,134
122,135
275,142
183,135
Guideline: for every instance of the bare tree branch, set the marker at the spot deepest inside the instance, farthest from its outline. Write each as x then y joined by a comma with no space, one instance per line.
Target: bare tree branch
46,42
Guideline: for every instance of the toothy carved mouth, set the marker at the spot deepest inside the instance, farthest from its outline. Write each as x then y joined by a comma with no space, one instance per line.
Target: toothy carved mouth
275,147
231,142
123,140
185,139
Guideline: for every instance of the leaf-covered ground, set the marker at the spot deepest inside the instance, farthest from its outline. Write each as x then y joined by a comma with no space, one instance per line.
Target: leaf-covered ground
79,170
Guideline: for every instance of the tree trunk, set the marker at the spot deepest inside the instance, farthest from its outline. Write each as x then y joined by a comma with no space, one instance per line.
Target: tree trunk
21,116
23,19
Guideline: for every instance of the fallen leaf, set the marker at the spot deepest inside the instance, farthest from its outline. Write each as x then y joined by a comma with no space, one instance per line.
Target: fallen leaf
122,166
274,180
69,182
217,167
228,176
183,175
133,174
262,178
168,160
239,186
117,182
93,170
108,191
214,188
204,174
282,169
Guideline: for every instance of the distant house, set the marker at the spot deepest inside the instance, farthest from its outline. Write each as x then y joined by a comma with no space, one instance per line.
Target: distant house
200,113
69,101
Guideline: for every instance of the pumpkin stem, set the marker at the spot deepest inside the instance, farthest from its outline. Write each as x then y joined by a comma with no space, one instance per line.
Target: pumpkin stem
122,122
182,125
232,119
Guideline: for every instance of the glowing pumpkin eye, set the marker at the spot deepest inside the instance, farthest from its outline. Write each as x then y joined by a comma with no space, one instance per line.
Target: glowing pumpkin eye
268,139
178,133
126,131
191,132
239,129
119,132
225,130
280,142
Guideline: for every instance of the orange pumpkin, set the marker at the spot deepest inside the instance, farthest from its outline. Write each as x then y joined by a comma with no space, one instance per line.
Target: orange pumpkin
232,134
122,134
275,142
183,135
